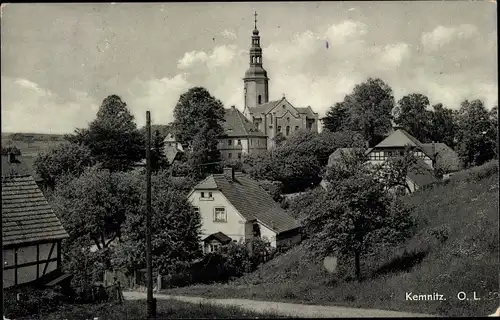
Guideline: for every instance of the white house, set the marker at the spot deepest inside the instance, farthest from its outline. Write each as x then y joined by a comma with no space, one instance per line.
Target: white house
234,207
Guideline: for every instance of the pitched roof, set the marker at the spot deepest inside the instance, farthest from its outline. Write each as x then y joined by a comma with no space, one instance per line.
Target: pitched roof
264,108
421,175
219,236
399,138
446,157
306,111
171,154
251,201
237,125
26,214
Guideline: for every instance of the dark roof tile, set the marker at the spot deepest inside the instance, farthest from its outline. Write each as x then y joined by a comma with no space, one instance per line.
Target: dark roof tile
237,125
26,214
251,201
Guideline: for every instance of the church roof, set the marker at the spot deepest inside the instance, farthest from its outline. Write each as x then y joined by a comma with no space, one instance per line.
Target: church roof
267,107
237,125
251,201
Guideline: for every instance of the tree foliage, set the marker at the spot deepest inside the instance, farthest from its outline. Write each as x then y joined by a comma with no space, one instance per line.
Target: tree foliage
10,149
476,137
93,206
113,137
175,230
412,114
356,214
442,125
367,110
62,159
158,158
198,125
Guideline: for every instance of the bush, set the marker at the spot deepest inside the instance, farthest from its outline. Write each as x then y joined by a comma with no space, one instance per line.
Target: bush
32,302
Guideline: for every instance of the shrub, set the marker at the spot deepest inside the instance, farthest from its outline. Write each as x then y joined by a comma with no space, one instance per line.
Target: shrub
32,302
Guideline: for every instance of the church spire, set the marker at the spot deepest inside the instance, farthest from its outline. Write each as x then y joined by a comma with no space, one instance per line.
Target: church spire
256,80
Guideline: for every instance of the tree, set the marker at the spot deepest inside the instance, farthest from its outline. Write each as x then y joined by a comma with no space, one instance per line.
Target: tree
412,115
158,158
93,206
442,125
368,109
356,214
113,137
62,159
10,149
279,139
494,123
395,170
336,118
475,135
175,230
198,125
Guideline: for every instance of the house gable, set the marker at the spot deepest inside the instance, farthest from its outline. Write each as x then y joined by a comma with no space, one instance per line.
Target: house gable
284,106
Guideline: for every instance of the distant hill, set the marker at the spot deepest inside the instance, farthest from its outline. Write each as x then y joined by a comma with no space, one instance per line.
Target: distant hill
31,144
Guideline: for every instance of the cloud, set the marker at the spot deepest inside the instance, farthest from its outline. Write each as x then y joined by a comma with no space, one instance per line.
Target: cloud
219,57
156,95
27,107
442,36
228,34
340,34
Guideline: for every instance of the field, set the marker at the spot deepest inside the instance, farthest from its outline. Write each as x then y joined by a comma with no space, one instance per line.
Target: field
136,309
31,144
455,250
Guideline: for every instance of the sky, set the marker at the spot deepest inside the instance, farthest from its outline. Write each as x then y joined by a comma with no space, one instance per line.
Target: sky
60,61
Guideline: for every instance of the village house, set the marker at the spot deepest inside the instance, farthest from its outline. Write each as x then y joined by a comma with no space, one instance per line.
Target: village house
430,157
240,136
173,149
234,207
31,232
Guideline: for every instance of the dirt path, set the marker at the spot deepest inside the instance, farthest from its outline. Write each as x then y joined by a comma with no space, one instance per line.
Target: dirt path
287,309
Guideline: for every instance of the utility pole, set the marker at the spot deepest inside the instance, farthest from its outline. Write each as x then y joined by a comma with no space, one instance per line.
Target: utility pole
151,302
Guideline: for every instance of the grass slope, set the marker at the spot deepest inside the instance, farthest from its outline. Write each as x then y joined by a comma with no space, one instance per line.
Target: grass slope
136,309
455,250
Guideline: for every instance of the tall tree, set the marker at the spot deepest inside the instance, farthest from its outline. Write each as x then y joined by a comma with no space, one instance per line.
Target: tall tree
93,206
442,125
494,123
198,125
61,159
355,214
113,137
369,108
175,234
412,114
476,135
336,117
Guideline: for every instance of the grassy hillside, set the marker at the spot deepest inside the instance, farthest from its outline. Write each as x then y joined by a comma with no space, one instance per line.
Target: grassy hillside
455,249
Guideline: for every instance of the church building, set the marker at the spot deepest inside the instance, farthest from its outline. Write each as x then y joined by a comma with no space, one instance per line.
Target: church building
271,117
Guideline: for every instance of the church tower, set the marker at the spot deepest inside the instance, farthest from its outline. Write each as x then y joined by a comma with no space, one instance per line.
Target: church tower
256,82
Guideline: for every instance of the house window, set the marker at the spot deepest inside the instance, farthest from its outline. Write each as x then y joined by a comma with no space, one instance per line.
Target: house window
239,156
271,117
229,155
296,128
203,194
279,128
220,215
196,210
214,247
229,142
251,141
239,142
210,194
288,119
287,130
258,143
260,99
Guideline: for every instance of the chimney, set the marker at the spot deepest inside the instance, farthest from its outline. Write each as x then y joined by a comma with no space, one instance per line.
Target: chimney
233,107
12,157
229,173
